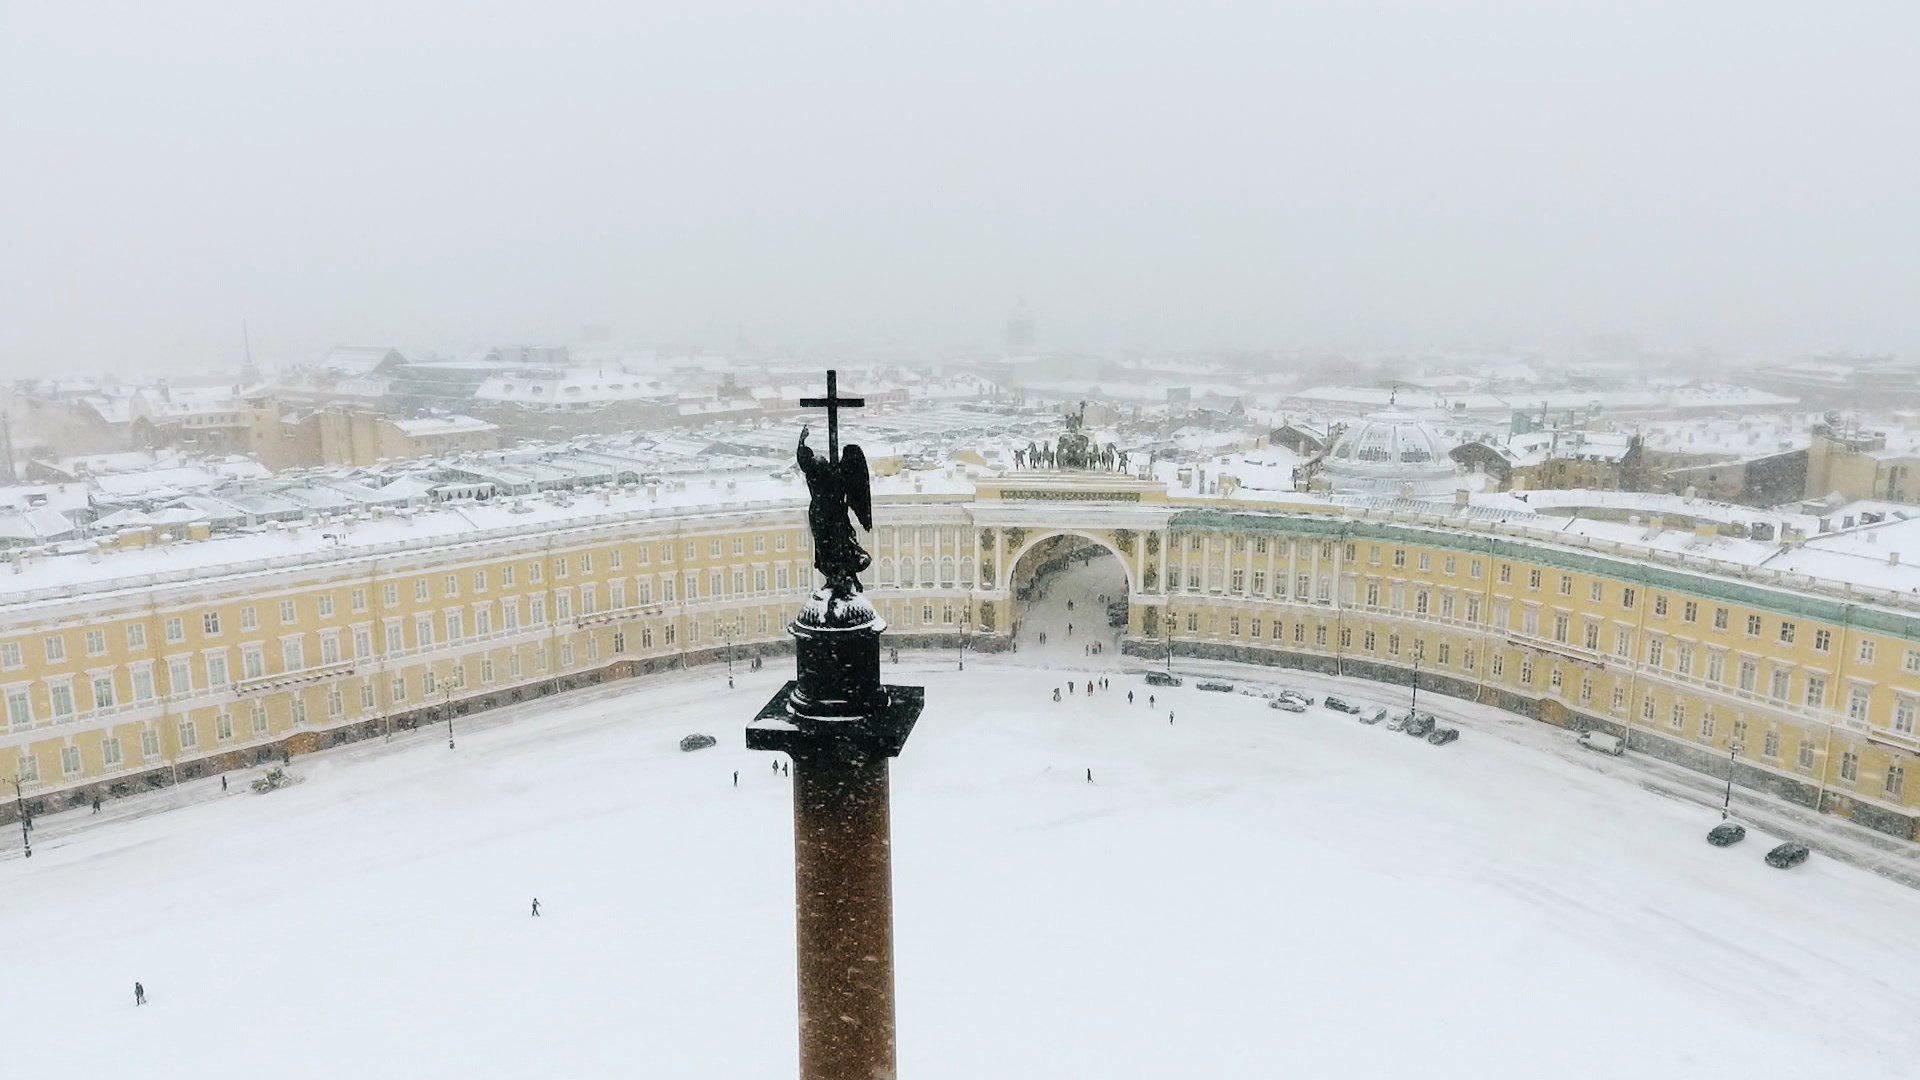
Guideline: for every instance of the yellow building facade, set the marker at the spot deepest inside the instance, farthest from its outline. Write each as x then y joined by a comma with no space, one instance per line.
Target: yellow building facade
114,687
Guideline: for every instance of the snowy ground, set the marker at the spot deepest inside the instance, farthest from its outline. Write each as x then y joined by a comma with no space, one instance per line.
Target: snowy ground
1242,893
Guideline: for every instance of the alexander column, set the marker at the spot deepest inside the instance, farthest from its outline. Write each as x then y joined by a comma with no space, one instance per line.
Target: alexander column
840,725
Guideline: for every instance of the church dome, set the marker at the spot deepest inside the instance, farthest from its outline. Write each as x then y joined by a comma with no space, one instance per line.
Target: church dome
1386,451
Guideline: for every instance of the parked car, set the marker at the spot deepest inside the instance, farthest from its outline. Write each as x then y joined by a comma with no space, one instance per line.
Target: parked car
1726,834
1161,678
1787,856
697,742
1398,722
1441,736
1418,724
1297,695
1286,705
1340,705
1603,742
1374,717
1216,687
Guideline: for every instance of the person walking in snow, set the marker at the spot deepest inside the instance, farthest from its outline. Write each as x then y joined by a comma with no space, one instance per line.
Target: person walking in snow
536,907
1169,717
223,783
1089,687
786,769
1129,697
736,778
139,994
1069,686
96,804
1149,701
1056,694
1089,775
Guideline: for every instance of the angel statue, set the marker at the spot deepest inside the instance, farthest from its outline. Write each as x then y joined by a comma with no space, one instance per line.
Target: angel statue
837,487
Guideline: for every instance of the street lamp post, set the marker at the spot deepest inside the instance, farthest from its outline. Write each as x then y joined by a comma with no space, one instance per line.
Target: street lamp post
1726,808
446,689
966,623
729,632
1169,638
20,808
1414,705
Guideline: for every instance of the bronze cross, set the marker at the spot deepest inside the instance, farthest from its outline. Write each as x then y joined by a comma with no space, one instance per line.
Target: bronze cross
833,403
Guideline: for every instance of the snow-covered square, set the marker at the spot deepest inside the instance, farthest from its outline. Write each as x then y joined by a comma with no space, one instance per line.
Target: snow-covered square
1241,892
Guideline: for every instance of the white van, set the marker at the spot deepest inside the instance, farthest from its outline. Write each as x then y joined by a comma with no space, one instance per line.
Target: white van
1603,742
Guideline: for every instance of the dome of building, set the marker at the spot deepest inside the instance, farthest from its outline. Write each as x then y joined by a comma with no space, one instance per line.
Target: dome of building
1387,451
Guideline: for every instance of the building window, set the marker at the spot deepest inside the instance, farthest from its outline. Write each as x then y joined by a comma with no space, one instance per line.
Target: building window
1903,713
1857,704
110,751
1779,687
70,760
1497,667
1806,754
1896,781
1866,650
60,694
1849,766
1566,585
1719,618
1706,723
1753,626
1690,612
210,624
1822,640
358,600
96,642
10,655
326,605
1770,746
1533,581
1660,605
1816,692
1786,633
149,744
223,727
1526,671
1678,717
1619,698
19,709
176,630
1627,598
189,735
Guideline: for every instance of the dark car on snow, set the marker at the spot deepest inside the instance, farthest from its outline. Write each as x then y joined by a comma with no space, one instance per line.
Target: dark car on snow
1286,704
1787,855
697,742
1726,834
1375,716
1161,678
1418,724
1341,705
1441,736
1216,687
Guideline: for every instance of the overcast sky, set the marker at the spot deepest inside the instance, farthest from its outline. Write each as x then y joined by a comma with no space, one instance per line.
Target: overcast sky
1733,174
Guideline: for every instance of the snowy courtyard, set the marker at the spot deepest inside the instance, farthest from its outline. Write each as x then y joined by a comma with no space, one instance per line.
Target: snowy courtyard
1242,892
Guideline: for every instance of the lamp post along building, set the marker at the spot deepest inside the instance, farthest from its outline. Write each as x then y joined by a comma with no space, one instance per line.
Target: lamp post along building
128,668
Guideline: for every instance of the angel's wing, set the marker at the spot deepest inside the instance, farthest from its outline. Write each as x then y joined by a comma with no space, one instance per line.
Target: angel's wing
858,486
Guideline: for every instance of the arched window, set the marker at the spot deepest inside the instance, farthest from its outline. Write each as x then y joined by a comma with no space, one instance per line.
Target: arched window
946,572
886,572
966,571
926,572
906,573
